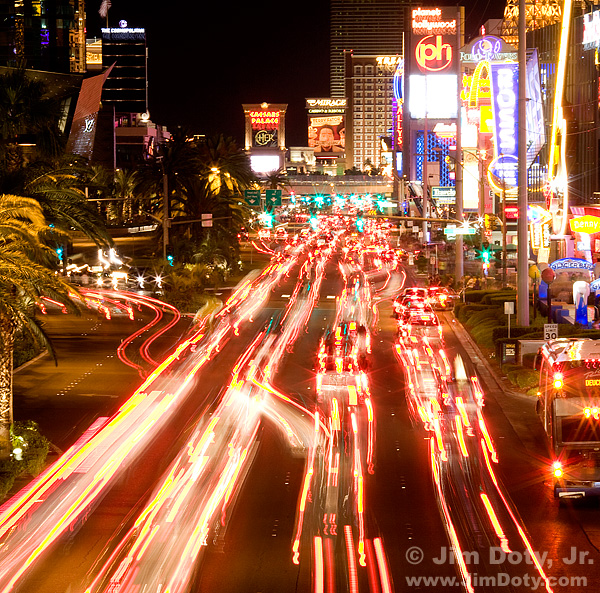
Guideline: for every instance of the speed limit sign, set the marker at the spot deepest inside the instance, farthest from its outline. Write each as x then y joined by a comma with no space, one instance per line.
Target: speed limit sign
550,331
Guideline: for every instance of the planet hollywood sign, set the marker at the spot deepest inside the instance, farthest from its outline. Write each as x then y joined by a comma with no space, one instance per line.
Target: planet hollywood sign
433,54
427,21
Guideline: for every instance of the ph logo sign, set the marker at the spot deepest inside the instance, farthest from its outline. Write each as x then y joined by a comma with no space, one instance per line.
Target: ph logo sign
433,54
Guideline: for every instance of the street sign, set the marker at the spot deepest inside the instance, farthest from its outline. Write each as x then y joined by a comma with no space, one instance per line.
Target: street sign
206,219
252,197
273,198
451,231
550,331
443,195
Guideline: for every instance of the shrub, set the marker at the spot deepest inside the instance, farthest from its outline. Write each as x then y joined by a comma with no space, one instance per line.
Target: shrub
527,378
34,446
484,316
34,450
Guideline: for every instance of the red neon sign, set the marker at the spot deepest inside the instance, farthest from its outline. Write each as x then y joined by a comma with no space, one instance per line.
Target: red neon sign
432,54
266,120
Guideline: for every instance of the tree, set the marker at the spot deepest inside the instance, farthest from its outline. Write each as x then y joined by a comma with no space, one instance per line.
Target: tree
25,109
223,164
276,180
25,274
126,206
59,187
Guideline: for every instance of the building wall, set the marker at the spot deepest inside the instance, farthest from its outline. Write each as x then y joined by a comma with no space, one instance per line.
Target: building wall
370,93
126,87
581,106
50,36
366,27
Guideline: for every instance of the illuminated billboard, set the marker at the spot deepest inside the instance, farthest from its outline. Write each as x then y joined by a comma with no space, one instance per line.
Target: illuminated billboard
327,134
327,126
433,63
505,89
265,125
433,96
534,108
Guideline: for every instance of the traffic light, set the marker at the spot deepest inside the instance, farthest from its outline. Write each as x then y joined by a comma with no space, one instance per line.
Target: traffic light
170,256
486,256
450,165
313,221
488,222
59,254
360,223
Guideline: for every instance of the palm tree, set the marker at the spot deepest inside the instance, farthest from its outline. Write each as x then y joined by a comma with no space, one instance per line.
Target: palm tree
224,164
125,191
224,173
25,274
26,110
59,187
276,180
174,168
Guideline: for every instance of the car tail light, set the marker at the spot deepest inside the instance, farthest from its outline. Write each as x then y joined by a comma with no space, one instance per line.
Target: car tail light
558,381
557,467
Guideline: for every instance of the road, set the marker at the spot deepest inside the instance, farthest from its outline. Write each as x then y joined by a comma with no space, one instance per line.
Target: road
248,468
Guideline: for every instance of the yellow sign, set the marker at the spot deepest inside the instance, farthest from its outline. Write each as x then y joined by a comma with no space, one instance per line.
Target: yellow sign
585,224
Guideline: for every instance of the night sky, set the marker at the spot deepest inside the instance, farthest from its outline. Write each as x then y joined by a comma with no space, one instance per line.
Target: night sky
207,58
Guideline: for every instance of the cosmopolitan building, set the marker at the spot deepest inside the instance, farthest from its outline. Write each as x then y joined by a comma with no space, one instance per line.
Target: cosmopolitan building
126,89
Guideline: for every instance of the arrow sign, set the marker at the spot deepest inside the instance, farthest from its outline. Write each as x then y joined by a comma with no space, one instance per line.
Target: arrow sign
252,197
273,197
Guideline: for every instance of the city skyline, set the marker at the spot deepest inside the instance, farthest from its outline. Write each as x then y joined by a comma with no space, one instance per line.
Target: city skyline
205,62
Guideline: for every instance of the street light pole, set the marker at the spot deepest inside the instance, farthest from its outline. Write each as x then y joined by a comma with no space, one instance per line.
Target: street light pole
165,220
522,236
459,255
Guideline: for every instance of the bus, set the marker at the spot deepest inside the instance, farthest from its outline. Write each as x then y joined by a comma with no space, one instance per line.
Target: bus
569,407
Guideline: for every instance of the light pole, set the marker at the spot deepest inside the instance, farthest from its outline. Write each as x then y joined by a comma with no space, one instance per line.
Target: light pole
165,217
522,235
459,271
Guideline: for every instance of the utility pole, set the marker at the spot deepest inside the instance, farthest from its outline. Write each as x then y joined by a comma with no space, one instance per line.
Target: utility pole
522,236
425,172
165,219
459,255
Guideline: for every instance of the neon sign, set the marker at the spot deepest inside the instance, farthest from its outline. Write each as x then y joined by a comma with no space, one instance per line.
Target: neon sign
591,29
585,224
429,20
388,60
506,114
432,54
264,119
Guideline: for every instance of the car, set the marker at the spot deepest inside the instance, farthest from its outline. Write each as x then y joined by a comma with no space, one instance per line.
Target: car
418,291
441,298
408,303
420,324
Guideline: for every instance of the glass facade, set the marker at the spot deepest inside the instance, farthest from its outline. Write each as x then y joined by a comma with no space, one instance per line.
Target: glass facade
48,36
126,87
365,27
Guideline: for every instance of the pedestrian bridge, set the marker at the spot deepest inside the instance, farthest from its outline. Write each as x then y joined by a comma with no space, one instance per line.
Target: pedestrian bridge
341,184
